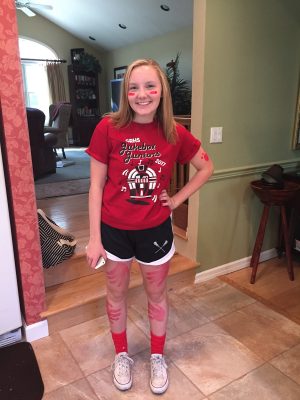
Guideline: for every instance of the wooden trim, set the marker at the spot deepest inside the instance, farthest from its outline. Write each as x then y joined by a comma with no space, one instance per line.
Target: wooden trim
180,177
252,169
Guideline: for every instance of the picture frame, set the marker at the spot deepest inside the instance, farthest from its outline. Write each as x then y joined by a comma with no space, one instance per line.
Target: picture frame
119,72
75,55
296,131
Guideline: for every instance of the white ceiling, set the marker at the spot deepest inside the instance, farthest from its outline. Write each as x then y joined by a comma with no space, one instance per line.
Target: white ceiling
100,19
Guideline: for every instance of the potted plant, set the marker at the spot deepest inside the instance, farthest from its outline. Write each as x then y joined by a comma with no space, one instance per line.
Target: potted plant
180,90
89,63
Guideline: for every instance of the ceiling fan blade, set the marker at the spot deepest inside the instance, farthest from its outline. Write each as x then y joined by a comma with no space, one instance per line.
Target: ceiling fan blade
37,5
28,12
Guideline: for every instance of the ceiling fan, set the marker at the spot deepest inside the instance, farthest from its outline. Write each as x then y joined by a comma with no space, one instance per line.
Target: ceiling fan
28,7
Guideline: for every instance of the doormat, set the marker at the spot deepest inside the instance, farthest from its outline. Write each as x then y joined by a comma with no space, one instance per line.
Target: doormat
20,376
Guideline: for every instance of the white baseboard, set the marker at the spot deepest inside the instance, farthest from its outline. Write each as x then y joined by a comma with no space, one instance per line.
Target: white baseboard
36,331
232,266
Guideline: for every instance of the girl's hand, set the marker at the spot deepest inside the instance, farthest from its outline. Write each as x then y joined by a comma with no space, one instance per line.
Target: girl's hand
166,200
93,252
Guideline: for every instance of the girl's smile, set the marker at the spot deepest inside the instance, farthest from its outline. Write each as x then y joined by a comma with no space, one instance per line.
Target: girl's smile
144,93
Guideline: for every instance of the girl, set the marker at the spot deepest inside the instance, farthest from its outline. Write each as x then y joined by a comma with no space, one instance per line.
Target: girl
132,155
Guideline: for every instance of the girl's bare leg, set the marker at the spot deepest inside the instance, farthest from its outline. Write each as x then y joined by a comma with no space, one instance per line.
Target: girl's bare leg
117,281
155,283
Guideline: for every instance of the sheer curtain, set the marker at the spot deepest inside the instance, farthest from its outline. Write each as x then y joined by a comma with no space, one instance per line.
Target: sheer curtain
56,82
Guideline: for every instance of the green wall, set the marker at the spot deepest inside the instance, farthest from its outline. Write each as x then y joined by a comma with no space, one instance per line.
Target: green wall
252,54
251,71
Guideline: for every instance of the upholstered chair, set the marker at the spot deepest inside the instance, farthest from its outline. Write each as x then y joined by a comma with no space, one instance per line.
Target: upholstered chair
41,144
58,123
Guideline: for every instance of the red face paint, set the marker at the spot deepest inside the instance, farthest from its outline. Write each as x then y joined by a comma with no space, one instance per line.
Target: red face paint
118,275
204,156
159,276
131,93
113,314
153,92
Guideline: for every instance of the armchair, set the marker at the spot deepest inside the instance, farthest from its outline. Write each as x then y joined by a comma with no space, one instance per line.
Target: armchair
41,145
59,122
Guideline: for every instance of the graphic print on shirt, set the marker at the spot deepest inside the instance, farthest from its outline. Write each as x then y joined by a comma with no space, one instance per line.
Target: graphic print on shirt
142,182
141,179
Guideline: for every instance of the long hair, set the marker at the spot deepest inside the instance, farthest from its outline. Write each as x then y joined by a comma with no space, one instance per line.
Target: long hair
164,114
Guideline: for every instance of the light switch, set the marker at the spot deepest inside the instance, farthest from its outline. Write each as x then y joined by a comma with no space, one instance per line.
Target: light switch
216,134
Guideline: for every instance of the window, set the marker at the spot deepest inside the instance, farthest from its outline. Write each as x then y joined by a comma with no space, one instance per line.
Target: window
35,80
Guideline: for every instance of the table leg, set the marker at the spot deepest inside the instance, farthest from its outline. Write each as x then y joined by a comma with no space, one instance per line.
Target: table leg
258,242
287,242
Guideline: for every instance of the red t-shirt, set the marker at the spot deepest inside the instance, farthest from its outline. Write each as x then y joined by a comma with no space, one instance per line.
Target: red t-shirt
140,163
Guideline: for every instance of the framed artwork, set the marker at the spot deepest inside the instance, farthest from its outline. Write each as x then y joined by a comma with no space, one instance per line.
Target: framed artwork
75,55
119,72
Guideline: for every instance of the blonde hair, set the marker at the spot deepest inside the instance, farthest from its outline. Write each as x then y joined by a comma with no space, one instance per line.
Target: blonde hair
164,114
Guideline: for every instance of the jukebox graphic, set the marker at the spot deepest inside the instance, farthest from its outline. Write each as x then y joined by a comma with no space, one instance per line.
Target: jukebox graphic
141,181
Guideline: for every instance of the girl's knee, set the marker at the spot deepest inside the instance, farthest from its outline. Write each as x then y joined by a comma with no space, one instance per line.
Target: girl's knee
116,295
157,295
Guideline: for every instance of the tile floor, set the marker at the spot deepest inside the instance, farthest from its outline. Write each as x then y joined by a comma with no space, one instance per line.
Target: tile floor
222,345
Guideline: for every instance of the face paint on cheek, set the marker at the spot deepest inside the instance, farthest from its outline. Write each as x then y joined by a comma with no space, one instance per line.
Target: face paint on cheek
153,92
131,94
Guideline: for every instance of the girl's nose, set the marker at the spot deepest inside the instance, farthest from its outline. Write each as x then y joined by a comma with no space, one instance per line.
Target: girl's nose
142,92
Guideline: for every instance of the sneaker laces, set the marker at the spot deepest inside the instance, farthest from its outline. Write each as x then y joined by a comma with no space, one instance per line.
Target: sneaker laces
158,365
123,362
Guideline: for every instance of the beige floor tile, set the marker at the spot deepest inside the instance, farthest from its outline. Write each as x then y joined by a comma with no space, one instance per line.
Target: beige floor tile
289,363
214,298
79,390
57,366
210,357
181,317
262,330
180,387
265,383
91,343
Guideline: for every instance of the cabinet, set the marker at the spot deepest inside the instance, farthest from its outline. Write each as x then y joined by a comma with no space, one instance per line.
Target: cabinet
84,97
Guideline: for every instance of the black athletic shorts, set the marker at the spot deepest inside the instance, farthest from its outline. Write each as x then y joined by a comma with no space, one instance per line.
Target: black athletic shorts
153,246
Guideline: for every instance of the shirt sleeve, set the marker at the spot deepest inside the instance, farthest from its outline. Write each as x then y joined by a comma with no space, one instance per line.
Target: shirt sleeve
99,144
189,145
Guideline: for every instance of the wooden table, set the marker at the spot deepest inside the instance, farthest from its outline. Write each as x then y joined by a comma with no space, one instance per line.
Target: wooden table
283,198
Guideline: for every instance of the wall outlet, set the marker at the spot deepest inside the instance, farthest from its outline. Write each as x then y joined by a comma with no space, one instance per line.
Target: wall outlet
216,134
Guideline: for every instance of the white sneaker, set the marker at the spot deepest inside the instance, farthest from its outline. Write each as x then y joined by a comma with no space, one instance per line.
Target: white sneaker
122,375
159,376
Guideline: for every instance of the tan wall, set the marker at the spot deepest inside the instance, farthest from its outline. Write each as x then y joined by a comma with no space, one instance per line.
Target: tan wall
162,48
44,31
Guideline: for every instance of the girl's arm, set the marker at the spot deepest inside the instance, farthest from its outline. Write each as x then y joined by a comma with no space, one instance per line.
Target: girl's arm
204,169
94,248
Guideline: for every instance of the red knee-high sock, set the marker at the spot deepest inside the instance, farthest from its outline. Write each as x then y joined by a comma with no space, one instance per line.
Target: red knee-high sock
120,341
157,344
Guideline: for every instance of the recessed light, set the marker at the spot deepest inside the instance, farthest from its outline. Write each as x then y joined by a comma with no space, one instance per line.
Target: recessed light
92,38
164,7
122,26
